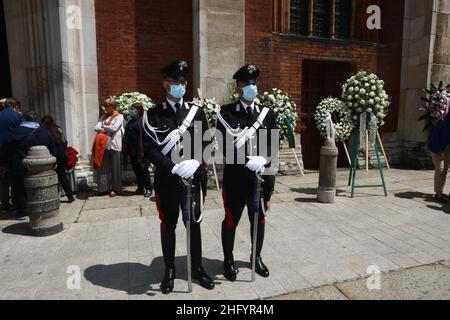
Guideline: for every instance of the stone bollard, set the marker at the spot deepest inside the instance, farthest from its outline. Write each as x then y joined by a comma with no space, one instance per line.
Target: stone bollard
327,178
43,198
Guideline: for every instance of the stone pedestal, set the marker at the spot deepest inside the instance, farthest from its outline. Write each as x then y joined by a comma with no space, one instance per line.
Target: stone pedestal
43,198
327,178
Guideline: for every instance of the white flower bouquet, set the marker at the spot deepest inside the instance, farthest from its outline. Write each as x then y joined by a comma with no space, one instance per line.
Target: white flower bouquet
365,93
126,100
210,107
285,113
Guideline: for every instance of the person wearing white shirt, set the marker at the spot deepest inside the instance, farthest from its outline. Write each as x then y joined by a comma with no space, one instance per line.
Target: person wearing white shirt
109,175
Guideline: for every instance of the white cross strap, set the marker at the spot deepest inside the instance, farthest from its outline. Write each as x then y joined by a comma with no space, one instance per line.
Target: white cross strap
250,133
179,132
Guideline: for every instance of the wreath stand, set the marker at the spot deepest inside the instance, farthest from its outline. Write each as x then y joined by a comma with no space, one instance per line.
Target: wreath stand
298,162
367,152
216,178
354,165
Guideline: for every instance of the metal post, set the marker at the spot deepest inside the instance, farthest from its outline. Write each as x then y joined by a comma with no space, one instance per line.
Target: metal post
256,203
188,185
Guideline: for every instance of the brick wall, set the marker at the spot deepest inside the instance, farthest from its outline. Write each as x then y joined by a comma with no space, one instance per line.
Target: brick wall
280,56
136,38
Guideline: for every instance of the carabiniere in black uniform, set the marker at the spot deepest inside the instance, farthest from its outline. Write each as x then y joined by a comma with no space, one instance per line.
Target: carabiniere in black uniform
166,117
238,181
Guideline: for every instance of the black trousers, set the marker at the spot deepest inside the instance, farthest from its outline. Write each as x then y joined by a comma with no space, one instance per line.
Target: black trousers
4,190
235,200
143,178
64,179
169,204
19,193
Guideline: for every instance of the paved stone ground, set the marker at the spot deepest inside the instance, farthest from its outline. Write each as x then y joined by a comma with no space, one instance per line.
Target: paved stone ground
327,248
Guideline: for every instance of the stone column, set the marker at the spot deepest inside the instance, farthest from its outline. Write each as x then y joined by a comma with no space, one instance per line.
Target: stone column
426,60
35,55
53,57
43,197
328,167
80,78
219,45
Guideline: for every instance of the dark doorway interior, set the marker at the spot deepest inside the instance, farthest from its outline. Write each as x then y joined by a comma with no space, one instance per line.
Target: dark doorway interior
321,79
5,72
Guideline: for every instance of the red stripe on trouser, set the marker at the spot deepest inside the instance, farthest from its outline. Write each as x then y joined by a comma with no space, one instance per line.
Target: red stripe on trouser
228,214
162,216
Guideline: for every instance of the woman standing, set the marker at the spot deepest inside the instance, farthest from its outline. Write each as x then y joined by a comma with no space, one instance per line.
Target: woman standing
61,156
133,149
107,150
439,147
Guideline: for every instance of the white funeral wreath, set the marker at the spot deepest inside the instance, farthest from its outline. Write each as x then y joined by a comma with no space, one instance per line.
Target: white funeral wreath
340,115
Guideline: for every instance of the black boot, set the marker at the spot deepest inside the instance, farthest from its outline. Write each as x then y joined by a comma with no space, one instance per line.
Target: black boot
230,270
168,246
198,273
260,268
167,284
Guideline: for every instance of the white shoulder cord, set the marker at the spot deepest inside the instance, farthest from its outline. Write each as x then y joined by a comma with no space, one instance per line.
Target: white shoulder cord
153,130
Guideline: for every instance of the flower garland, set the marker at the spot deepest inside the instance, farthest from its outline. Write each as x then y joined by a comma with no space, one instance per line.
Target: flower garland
365,93
437,100
340,114
126,100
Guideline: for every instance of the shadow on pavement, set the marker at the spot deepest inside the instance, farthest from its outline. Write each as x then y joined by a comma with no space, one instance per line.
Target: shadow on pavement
140,279
313,191
426,197
21,229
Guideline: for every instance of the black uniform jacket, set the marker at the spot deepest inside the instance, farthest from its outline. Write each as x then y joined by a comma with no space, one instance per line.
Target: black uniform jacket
237,177
163,117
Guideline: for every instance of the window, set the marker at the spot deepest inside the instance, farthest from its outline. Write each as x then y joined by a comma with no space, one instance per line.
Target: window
343,18
322,18
299,17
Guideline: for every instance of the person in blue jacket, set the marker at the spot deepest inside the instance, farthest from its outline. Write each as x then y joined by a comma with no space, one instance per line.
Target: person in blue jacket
9,120
439,147
16,145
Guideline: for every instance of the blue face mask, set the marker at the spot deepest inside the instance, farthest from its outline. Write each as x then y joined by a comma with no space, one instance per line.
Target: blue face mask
133,114
177,91
250,92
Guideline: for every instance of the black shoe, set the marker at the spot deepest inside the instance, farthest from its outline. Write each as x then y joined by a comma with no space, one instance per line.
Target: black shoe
71,199
230,271
440,199
261,268
204,280
167,284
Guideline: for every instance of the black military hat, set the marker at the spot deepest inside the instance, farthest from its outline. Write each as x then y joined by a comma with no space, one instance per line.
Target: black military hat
248,74
176,70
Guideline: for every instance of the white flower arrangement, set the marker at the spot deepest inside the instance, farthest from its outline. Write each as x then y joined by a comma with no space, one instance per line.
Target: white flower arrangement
365,93
340,114
126,100
284,107
210,107
285,110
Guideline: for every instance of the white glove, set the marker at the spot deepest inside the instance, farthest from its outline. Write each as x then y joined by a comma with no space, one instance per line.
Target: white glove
256,164
186,169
